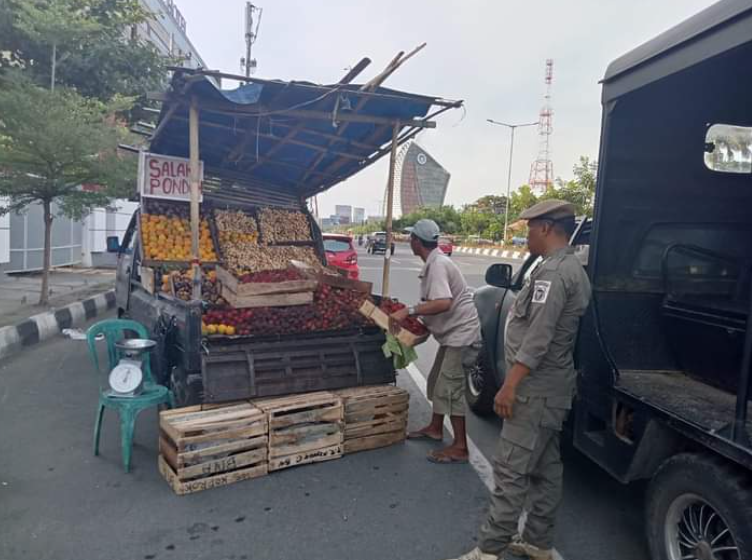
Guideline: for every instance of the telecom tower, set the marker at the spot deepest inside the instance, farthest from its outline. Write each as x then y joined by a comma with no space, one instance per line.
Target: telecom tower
542,169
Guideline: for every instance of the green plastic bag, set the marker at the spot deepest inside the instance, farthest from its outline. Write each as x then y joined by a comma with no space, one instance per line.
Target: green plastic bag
401,355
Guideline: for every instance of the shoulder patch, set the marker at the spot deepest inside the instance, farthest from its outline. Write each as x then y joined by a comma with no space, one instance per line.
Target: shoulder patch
540,291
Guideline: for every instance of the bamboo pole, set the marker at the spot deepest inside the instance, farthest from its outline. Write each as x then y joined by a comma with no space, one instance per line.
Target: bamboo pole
390,204
195,187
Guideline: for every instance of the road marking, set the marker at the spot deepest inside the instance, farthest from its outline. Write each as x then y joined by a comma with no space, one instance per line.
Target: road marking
478,461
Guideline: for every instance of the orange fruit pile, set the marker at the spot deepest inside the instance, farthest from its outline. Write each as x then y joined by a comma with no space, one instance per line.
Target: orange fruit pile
169,238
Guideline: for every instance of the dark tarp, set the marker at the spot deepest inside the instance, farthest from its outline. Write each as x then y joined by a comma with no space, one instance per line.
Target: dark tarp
291,137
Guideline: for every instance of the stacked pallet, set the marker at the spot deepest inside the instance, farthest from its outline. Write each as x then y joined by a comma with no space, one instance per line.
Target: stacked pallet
303,429
207,446
374,417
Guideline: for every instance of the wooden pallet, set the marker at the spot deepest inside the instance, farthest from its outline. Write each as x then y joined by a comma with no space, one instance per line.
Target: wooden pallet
374,416
206,446
379,317
303,429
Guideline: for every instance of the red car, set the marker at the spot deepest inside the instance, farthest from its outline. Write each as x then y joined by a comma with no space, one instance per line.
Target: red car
341,253
445,244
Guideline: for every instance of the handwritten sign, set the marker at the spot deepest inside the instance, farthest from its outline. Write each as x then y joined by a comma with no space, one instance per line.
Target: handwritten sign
166,177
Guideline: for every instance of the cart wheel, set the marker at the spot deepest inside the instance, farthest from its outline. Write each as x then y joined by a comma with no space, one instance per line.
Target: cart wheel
699,508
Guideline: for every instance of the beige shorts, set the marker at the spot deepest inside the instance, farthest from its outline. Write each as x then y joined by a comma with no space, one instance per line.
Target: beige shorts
446,382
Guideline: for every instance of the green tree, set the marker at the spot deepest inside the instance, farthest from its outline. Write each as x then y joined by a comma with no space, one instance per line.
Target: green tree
86,43
52,143
522,199
446,217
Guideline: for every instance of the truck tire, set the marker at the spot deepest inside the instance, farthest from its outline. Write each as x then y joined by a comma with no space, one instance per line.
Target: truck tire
480,385
699,507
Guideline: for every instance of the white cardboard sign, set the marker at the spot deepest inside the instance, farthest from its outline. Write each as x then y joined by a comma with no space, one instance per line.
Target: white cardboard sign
166,177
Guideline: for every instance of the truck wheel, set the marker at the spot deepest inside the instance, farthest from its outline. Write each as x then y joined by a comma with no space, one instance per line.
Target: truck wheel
699,508
480,385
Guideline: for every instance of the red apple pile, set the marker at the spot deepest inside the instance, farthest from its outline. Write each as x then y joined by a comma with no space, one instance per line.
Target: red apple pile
412,324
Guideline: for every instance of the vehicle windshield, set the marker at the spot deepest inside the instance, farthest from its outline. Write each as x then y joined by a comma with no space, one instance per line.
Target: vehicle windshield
445,240
336,246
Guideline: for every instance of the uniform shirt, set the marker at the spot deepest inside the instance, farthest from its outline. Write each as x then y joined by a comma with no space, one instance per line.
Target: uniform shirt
441,279
542,325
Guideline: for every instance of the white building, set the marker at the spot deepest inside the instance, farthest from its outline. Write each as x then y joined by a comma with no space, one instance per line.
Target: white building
22,235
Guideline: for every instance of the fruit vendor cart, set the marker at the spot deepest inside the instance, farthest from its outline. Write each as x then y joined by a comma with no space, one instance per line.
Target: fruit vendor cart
223,261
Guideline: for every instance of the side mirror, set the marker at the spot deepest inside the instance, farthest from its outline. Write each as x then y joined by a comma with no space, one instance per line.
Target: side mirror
499,275
113,244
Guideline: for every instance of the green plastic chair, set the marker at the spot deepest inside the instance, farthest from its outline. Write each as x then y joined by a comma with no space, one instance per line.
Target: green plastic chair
128,407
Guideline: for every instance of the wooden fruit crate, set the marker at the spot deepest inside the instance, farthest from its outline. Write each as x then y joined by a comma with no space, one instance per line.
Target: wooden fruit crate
374,416
331,276
303,429
206,446
230,282
269,300
382,320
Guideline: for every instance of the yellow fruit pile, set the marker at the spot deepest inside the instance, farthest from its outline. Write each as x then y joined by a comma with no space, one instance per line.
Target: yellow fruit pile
169,239
214,328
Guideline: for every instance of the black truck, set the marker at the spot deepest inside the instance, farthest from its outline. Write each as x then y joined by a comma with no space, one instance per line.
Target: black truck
663,353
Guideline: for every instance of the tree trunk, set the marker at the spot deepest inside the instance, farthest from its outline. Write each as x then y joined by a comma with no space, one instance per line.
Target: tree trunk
44,296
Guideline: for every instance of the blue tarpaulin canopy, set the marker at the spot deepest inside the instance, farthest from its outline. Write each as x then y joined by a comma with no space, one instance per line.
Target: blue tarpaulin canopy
296,138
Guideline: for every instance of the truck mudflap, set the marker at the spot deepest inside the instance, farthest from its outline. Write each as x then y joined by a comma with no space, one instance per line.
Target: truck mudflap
241,369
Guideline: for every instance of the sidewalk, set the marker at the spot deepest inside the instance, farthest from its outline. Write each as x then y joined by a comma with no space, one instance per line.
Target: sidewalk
76,295
19,293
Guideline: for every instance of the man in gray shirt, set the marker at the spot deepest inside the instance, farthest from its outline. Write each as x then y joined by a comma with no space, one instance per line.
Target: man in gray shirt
449,313
540,333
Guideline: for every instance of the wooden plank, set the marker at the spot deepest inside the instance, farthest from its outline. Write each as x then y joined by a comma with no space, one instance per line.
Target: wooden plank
271,300
217,436
381,319
337,280
192,457
374,404
372,442
230,282
279,405
191,486
212,416
169,452
254,457
301,433
375,427
329,414
314,456
320,443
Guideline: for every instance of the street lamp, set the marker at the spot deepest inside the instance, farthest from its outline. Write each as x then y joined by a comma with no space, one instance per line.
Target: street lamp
511,127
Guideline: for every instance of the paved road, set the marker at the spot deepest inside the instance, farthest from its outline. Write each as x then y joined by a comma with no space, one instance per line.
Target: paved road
600,517
58,502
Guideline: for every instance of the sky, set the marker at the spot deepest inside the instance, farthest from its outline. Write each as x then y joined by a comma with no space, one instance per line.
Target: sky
489,53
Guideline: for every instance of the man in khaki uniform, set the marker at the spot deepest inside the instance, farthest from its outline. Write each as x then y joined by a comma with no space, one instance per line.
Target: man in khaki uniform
540,333
448,311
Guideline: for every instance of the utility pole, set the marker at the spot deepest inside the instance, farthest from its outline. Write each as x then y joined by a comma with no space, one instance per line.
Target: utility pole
511,127
251,34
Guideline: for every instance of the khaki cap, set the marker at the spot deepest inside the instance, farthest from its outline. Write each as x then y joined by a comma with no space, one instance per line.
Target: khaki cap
550,210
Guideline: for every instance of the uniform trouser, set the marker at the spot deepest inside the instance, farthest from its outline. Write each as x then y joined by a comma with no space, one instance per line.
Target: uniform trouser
528,473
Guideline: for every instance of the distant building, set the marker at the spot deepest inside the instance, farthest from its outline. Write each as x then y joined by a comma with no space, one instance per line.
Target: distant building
167,32
345,214
359,216
421,181
85,242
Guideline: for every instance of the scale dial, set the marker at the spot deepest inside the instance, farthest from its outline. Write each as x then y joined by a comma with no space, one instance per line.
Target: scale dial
125,377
